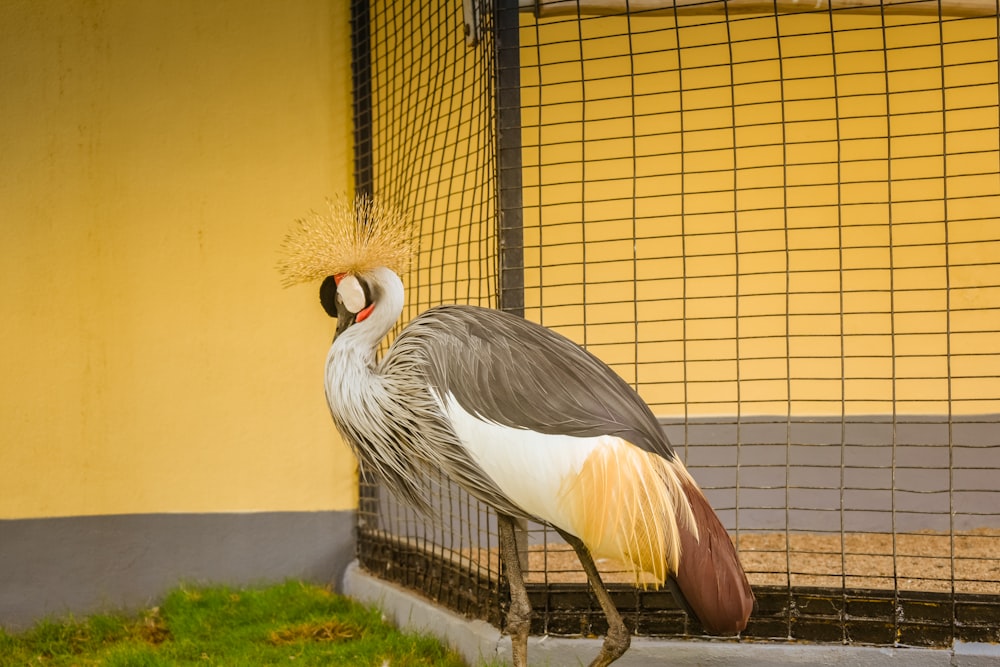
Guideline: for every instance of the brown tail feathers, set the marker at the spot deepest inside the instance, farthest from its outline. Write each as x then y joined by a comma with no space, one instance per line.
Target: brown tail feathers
710,576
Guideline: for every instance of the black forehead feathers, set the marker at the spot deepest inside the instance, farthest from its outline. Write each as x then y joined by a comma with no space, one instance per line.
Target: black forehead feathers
328,296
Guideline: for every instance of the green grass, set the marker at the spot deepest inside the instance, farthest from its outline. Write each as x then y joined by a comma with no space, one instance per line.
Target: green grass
287,624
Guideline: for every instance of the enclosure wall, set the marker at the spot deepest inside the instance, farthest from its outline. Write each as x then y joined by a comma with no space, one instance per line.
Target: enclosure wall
782,230
154,370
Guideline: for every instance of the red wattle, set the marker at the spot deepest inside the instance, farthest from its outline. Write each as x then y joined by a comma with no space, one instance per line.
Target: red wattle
364,313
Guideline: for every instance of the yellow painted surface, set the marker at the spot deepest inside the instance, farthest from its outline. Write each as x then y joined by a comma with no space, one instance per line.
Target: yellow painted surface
754,224
155,153
153,156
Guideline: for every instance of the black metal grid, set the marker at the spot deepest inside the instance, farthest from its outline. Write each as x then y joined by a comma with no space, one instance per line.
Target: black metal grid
426,123
781,229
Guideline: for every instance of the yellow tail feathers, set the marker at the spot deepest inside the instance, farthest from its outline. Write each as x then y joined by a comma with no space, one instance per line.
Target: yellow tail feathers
627,504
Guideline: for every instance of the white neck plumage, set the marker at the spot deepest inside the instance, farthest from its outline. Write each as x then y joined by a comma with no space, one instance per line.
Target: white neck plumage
360,340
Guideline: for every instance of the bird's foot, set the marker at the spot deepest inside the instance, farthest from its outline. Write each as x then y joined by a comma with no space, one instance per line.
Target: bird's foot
616,642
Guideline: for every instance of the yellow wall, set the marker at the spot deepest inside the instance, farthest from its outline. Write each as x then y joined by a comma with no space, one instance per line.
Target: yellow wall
795,201
153,156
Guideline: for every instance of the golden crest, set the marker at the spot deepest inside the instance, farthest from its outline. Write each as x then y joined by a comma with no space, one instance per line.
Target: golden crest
352,236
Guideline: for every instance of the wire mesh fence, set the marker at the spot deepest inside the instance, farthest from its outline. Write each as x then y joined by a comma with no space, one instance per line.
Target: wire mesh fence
781,229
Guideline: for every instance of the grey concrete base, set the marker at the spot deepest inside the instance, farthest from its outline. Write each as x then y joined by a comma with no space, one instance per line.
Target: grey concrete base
78,565
480,642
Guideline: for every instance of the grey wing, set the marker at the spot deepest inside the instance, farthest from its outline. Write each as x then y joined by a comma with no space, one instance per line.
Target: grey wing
513,372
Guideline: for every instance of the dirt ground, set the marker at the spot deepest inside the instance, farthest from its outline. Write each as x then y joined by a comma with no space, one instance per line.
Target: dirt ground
916,561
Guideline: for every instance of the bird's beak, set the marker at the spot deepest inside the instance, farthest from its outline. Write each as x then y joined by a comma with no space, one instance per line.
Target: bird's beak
345,318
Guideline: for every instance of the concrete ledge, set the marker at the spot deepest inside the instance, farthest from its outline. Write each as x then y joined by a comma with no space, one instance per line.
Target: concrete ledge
479,642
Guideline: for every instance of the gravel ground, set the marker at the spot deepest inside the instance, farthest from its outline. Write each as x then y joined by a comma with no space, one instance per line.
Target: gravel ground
922,562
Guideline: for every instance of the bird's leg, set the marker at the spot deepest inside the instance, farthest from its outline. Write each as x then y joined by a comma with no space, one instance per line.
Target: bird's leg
617,641
519,616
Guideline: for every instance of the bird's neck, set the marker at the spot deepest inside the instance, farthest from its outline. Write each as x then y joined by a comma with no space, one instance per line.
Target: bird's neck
352,378
356,346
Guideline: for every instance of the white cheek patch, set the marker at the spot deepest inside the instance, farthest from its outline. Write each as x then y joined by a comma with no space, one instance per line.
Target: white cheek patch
351,294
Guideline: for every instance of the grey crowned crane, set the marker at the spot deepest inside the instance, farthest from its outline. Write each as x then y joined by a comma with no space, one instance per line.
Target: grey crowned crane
519,416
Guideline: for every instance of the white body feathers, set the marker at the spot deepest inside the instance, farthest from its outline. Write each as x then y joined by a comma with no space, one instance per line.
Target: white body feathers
623,502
